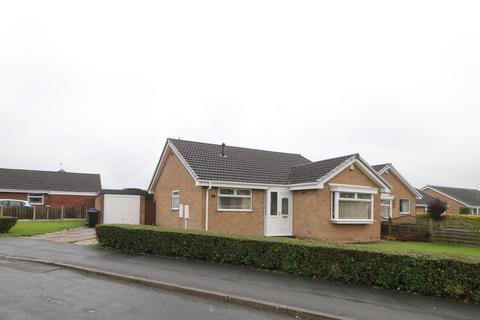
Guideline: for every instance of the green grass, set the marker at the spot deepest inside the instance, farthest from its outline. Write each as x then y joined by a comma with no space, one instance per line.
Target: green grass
450,250
31,228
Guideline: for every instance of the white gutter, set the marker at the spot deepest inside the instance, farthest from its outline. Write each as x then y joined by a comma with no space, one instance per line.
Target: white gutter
206,205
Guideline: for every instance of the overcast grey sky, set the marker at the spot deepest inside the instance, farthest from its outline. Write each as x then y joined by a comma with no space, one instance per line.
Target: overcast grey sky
99,85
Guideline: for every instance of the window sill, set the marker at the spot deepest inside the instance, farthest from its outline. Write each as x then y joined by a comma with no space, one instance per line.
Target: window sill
234,210
351,221
404,212
175,209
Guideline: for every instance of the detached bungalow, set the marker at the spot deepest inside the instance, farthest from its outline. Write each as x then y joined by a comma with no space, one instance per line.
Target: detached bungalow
403,196
50,188
256,192
456,198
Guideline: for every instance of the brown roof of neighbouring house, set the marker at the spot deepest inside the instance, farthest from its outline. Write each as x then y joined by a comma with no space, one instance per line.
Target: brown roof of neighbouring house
467,196
35,180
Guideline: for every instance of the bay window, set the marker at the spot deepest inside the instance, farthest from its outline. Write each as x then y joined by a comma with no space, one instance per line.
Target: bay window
234,199
353,206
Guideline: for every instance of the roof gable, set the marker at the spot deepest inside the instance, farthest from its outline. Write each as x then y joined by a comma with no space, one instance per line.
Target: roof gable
470,197
312,172
382,168
35,180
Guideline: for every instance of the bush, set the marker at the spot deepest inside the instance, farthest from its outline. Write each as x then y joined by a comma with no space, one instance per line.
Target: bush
7,223
436,208
422,274
465,210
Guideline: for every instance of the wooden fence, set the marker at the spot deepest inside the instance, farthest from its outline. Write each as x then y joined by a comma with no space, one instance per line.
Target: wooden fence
44,213
451,228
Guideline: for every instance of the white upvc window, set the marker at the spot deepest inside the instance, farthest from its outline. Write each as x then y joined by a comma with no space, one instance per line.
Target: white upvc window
234,199
352,207
404,206
175,199
36,198
386,208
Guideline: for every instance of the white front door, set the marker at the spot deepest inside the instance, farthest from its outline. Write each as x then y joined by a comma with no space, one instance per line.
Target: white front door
278,215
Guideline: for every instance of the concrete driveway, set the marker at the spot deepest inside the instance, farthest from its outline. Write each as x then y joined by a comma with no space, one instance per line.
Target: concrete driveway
80,236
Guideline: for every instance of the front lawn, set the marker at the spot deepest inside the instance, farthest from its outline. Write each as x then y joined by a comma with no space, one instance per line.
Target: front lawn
31,228
436,249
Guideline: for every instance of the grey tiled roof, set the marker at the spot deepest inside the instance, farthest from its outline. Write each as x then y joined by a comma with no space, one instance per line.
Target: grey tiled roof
311,172
468,196
240,164
379,167
49,180
426,198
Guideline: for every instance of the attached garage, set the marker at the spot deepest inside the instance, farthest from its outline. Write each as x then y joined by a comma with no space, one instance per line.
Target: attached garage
126,206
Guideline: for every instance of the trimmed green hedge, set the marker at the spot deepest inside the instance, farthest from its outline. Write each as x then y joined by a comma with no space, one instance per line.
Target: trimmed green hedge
426,275
7,223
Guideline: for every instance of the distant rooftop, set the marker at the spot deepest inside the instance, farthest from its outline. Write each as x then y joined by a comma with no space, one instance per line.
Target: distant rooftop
37,180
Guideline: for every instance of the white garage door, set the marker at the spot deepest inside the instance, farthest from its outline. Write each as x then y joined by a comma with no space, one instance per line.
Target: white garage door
121,209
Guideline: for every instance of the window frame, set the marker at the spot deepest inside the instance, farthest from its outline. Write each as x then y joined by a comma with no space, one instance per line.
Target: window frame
400,206
335,206
390,207
234,195
175,196
36,195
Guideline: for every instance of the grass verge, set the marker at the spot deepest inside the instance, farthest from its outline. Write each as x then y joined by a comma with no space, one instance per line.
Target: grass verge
31,228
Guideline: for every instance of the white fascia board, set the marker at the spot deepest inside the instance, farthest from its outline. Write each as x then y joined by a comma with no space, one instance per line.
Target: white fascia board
306,186
244,185
67,193
169,146
336,187
403,180
446,195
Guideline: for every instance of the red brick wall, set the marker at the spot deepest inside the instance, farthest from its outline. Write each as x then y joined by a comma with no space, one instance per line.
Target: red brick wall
16,196
55,200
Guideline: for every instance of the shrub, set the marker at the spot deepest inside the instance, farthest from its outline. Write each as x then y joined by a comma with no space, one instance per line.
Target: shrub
465,210
7,223
436,208
422,274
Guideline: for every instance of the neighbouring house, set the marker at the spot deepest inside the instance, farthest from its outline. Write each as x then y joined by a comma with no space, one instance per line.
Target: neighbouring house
402,198
422,204
121,206
255,192
50,188
458,199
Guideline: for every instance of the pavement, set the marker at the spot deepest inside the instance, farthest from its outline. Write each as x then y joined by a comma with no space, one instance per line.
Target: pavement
349,301
81,236
32,291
